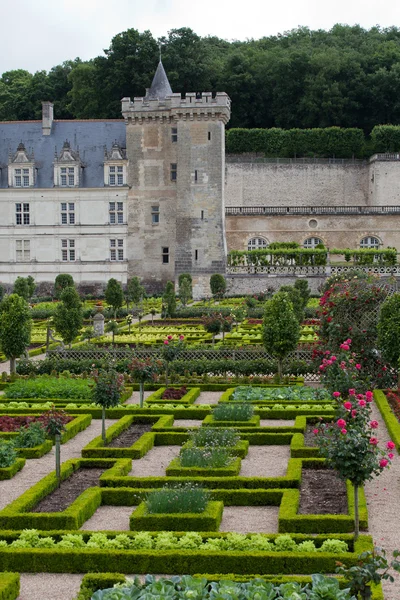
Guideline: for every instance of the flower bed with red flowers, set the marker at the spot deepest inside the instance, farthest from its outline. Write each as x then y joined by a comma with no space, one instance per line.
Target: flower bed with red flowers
10,424
174,393
393,397
254,321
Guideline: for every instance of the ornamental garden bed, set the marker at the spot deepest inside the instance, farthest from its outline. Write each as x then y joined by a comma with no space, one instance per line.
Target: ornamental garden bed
240,449
174,395
208,520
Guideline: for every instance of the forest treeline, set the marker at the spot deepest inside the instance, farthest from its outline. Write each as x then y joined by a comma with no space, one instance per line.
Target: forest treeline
347,77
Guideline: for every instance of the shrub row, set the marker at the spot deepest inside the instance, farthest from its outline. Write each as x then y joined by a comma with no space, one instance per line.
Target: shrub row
391,421
10,472
322,142
175,469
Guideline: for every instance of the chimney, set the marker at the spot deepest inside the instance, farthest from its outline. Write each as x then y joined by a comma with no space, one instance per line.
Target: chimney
47,117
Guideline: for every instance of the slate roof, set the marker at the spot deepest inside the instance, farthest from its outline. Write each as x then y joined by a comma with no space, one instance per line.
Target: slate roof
160,87
89,137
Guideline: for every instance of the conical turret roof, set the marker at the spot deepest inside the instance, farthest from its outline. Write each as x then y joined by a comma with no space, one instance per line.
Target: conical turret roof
160,87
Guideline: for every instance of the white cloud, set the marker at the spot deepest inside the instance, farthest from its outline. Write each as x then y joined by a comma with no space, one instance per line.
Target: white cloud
41,34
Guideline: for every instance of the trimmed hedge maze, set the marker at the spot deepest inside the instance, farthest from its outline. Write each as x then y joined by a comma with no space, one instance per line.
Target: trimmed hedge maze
180,543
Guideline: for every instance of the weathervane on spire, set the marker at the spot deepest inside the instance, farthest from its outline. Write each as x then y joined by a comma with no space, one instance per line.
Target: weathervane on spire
159,47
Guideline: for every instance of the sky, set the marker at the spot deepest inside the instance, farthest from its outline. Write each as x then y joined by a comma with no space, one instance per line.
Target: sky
39,35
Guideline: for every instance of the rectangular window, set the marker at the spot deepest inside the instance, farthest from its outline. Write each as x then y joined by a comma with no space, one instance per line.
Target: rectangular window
165,255
195,176
209,135
196,255
63,176
202,215
116,212
25,178
68,250
155,215
23,250
116,175
67,213
174,134
174,171
116,249
22,214
17,178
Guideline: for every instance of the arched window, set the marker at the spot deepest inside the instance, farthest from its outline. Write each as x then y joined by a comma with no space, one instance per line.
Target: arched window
257,243
312,242
370,242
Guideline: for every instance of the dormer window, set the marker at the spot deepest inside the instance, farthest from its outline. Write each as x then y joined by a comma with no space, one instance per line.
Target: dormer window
67,177
67,167
116,175
115,163
21,168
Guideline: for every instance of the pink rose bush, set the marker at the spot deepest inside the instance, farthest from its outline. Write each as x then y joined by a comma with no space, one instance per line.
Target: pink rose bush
350,444
341,373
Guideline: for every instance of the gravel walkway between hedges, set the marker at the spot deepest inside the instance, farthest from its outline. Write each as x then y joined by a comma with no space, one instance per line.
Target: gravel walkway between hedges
383,508
265,461
37,468
208,398
49,586
154,463
277,422
109,518
250,519
134,399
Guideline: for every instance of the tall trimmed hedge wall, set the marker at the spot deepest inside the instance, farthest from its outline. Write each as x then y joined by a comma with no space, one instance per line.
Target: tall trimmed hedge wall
319,142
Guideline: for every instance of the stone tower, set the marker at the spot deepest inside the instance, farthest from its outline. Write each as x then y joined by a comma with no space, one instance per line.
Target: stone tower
176,172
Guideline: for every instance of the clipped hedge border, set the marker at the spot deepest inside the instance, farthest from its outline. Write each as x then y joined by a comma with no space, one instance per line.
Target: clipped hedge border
220,387
78,424
51,560
291,521
227,397
174,469
9,586
10,472
391,421
16,515
209,421
208,520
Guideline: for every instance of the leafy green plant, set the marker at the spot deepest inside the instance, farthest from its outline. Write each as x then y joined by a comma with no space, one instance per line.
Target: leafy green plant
209,457
214,436
180,498
233,412
50,387
114,295
30,436
371,567
8,454
62,281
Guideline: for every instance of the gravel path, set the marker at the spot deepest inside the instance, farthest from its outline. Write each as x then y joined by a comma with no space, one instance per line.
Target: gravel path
187,422
383,508
111,518
208,398
134,399
49,586
250,519
265,461
36,468
277,422
154,463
